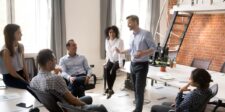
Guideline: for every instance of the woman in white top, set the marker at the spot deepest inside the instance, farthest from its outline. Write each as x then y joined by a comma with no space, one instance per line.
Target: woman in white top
13,68
114,60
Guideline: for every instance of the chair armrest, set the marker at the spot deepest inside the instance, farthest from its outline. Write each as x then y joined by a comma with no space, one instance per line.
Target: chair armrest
94,78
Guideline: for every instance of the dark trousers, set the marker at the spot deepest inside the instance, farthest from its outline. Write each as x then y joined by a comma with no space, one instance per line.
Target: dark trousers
78,87
86,99
165,107
110,71
92,107
139,72
11,81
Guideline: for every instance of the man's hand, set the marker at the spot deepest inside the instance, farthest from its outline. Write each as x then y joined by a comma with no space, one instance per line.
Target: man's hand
139,54
57,70
72,79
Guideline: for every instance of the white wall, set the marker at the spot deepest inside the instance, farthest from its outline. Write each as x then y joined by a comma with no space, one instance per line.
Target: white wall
163,22
83,25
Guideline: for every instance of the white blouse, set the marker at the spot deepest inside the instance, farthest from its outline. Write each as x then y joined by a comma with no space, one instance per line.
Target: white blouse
111,54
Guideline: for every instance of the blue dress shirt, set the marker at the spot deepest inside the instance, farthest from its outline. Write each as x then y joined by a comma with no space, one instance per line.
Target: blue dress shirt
141,40
74,65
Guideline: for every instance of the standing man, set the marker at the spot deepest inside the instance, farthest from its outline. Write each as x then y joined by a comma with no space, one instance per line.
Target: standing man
75,69
141,46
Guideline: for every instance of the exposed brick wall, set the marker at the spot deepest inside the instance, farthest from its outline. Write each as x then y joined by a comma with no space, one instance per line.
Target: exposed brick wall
204,39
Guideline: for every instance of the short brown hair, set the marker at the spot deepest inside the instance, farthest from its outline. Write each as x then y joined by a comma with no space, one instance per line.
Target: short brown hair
68,42
133,18
44,56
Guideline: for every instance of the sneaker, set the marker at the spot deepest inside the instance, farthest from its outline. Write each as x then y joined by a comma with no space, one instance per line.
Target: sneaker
110,93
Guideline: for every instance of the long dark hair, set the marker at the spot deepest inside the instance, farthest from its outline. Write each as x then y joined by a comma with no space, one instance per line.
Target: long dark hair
201,77
114,28
9,32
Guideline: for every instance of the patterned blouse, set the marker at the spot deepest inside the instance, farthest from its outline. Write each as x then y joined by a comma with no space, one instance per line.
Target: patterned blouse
193,101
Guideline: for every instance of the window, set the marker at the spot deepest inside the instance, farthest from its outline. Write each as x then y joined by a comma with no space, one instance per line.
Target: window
125,8
3,20
34,18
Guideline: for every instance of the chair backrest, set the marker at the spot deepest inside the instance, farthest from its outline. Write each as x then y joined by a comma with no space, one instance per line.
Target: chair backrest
200,63
47,99
223,68
214,89
29,89
2,66
31,67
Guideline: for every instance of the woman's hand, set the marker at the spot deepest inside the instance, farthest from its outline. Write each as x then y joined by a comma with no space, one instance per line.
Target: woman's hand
185,88
117,50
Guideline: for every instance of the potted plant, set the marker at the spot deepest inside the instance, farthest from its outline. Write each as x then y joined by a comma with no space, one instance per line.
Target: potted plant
163,65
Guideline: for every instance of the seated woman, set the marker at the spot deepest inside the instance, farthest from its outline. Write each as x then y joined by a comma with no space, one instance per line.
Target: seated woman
114,60
194,101
13,67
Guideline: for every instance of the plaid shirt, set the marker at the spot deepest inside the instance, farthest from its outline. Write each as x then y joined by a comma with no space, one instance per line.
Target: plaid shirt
193,101
46,81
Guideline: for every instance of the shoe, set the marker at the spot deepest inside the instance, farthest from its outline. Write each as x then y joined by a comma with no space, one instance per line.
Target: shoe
106,91
110,93
134,102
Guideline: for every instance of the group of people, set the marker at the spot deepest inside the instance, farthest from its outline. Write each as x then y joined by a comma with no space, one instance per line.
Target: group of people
75,71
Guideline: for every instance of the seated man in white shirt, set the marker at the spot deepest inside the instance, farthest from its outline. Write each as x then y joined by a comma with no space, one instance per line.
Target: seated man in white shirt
75,69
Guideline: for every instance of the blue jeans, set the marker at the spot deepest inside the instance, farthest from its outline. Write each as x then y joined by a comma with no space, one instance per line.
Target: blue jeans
139,71
11,81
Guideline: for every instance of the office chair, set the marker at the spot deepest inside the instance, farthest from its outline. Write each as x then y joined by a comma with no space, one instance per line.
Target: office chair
31,67
47,99
200,63
223,68
2,70
218,103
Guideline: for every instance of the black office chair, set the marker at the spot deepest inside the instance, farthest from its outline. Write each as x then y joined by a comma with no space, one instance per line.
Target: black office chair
47,99
218,103
31,67
200,63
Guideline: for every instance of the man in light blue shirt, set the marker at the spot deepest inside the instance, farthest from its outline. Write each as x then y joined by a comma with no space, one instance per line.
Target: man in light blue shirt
75,69
141,46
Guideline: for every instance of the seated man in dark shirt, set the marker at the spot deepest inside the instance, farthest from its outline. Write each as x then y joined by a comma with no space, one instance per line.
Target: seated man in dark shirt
46,81
194,101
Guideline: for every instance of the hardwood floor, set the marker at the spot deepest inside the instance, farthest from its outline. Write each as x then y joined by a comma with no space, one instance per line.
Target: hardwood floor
121,100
